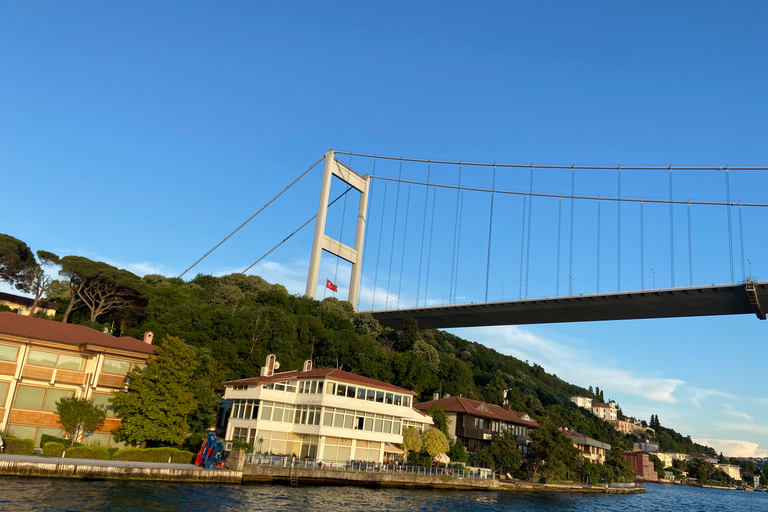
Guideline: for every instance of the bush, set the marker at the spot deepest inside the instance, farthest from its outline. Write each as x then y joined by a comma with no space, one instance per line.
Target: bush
45,439
16,446
88,452
247,448
52,449
154,455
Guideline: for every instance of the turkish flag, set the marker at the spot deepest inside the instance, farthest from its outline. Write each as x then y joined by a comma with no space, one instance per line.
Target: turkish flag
330,285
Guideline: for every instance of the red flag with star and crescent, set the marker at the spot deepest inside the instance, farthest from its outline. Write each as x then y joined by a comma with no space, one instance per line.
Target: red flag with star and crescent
330,285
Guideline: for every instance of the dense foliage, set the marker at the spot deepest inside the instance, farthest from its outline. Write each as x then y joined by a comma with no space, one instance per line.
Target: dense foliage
78,416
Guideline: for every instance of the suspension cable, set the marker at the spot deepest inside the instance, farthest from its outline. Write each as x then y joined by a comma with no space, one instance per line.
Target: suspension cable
378,249
741,242
423,232
528,244
365,235
598,246
579,167
394,227
559,222
490,234
458,245
429,251
252,216
690,248
522,244
296,231
671,232
642,247
405,233
570,256
455,231
618,233
728,208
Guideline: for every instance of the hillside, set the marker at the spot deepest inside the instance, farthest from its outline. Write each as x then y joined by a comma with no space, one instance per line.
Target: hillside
235,321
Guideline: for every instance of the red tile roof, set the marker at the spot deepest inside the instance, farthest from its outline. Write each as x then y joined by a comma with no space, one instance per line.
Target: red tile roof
69,334
327,373
480,409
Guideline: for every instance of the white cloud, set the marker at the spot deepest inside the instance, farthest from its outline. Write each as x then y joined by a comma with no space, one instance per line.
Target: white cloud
571,364
734,447
699,394
738,414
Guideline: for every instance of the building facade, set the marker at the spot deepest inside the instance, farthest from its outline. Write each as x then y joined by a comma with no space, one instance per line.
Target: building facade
592,450
327,414
582,401
23,305
625,427
606,412
642,465
42,361
473,422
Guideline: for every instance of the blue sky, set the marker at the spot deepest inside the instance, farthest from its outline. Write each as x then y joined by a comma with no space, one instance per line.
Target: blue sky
141,133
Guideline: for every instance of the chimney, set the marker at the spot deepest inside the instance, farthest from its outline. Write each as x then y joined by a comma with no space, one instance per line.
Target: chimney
307,365
148,337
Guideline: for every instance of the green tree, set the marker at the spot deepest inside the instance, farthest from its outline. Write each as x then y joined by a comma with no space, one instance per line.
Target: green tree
439,418
506,456
408,336
457,452
159,398
79,416
17,262
551,452
41,282
435,443
101,287
411,441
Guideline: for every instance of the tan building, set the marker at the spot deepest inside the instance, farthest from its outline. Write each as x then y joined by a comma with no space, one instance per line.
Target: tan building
625,427
23,305
591,449
42,361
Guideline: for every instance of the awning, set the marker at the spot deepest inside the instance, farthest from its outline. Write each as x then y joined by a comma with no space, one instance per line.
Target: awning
390,448
443,459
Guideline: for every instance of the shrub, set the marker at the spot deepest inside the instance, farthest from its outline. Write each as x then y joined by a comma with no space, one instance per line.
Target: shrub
52,449
247,448
16,446
88,452
154,455
45,439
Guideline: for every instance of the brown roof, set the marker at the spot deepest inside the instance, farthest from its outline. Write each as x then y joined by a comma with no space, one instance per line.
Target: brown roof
26,301
70,334
477,408
328,373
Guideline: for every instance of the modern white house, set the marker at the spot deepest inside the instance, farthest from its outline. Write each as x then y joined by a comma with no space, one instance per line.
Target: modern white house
606,412
327,414
582,401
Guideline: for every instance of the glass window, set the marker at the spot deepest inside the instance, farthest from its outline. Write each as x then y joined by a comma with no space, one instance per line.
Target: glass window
341,389
351,391
116,367
53,396
398,399
378,424
338,420
407,401
248,409
328,418
3,392
361,393
387,426
103,399
330,389
380,397
41,358
389,398
8,353
266,411
67,362
370,395
290,387
349,421
23,432
320,387
279,386
29,397
396,428
368,425
313,387
255,414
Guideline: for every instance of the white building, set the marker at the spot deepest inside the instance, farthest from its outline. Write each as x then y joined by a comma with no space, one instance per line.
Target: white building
328,414
732,470
582,401
607,412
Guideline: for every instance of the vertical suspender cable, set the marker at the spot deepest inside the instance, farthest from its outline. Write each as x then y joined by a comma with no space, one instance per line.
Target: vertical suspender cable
378,251
741,242
402,257
455,232
522,243
671,232
570,257
690,247
365,236
618,236
394,227
490,234
429,252
728,209
598,244
528,248
642,251
458,246
423,232
559,222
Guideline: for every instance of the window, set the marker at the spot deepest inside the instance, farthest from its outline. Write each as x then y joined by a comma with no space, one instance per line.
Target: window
330,389
41,358
320,387
279,386
341,389
31,397
313,387
351,391
398,399
103,399
116,367
53,360
8,353
328,418
380,397
361,393
407,401
370,395
240,435
389,398
67,362
3,392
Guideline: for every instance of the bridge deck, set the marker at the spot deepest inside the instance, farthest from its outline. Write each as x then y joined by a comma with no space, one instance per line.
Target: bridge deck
732,299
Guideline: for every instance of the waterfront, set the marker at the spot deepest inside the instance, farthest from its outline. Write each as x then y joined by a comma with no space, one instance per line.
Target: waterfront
42,494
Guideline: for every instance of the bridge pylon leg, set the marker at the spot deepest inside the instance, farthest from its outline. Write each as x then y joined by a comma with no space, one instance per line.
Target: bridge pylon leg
323,242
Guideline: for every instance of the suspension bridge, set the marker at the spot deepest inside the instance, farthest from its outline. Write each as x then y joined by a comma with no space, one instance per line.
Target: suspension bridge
440,241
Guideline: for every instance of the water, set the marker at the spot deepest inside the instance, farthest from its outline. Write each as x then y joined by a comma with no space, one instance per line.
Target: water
41,494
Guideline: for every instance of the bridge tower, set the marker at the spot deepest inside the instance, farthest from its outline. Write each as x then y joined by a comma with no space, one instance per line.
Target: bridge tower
324,242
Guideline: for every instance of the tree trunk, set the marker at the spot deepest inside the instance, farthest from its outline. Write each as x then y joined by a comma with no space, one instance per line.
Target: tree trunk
72,300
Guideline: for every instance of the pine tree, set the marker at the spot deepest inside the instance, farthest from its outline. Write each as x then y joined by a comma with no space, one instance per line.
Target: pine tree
159,399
